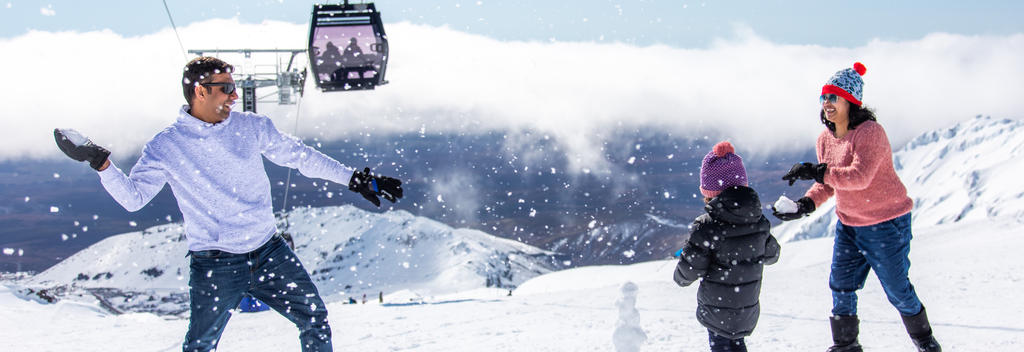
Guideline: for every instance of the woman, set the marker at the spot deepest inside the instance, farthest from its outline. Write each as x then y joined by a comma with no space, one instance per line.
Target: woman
873,231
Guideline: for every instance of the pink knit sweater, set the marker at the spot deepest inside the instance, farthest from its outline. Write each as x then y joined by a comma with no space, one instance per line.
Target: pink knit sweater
861,175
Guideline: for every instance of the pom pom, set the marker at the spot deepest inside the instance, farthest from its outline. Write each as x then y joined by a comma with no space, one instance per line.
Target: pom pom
723,148
859,67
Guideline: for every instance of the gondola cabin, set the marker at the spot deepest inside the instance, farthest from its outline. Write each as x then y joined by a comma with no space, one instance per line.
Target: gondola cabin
348,49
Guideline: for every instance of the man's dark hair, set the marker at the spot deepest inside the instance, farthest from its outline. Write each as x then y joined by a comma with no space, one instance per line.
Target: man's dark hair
199,71
858,114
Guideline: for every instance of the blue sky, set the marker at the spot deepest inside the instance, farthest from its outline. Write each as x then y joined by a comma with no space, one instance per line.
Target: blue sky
686,24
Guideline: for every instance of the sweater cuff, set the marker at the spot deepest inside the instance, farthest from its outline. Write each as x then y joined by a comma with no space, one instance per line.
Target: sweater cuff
109,172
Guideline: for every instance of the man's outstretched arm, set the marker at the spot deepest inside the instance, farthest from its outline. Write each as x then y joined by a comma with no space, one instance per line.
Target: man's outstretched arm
132,192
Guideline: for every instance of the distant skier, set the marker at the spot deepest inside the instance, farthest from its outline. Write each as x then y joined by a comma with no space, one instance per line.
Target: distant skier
728,248
873,231
212,158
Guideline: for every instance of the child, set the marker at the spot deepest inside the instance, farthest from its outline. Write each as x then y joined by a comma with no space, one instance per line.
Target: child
728,247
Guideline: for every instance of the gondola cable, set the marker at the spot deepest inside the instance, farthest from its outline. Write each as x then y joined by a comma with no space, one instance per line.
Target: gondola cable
175,28
288,180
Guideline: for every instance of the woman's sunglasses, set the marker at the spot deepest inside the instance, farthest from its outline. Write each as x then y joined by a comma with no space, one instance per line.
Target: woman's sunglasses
831,98
227,87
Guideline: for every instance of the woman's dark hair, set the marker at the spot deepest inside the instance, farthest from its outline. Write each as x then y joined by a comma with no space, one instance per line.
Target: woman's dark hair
199,70
858,114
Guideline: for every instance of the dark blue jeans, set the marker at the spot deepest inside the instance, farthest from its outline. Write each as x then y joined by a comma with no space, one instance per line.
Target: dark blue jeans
884,248
722,344
271,273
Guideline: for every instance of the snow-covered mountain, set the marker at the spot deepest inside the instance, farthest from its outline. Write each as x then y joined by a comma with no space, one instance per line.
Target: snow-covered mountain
348,251
649,237
969,171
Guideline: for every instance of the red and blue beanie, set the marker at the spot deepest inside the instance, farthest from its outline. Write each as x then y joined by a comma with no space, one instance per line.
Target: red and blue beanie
847,84
721,169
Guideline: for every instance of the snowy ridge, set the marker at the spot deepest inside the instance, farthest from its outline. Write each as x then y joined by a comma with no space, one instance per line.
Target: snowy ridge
969,171
348,251
626,241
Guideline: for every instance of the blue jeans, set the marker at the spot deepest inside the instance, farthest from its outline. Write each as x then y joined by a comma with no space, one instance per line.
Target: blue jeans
722,344
882,247
271,273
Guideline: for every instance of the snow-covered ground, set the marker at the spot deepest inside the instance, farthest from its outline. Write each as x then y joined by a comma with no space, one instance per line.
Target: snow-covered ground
969,211
968,274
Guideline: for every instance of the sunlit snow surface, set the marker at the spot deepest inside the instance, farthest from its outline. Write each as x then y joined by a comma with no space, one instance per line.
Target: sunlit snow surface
967,274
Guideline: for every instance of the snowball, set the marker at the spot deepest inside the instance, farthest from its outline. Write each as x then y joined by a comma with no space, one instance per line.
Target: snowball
785,205
77,138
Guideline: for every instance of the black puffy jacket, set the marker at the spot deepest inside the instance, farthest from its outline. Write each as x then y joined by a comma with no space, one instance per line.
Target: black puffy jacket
728,247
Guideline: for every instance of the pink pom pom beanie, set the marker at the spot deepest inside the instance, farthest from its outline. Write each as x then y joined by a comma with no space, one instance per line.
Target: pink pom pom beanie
721,169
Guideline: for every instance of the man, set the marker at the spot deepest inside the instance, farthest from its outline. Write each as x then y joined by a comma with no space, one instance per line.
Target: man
212,158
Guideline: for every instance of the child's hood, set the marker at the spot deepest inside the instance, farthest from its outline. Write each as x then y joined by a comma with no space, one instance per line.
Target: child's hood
736,205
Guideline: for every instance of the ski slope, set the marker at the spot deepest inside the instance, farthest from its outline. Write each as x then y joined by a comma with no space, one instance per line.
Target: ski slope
968,274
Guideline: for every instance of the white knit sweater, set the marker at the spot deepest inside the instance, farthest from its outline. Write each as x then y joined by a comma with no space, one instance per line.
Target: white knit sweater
216,174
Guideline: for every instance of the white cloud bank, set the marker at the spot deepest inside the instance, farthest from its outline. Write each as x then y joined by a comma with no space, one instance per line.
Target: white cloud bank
763,96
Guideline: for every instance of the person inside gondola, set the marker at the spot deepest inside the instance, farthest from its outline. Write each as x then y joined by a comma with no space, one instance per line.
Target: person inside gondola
351,61
330,59
352,51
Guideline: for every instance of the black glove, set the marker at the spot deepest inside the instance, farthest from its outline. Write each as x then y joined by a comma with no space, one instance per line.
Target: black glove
805,206
83,150
806,171
370,186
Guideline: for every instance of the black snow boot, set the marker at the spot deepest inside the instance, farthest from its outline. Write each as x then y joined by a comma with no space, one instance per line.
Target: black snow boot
844,333
921,332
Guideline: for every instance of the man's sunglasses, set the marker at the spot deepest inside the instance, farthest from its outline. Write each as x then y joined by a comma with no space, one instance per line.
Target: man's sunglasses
227,87
831,98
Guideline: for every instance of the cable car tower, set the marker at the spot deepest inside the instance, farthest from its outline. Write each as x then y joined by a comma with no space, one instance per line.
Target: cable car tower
289,80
